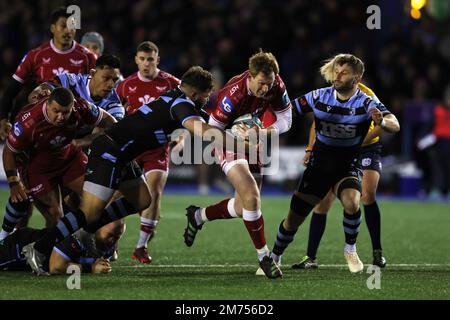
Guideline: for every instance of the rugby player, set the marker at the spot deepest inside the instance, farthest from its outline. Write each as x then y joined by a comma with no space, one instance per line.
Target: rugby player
59,55
111,166
143,87
42,148
343,114
255,91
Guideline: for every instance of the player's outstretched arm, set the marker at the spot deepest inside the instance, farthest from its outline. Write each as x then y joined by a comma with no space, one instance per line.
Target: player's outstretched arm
221,138
59,264
106,122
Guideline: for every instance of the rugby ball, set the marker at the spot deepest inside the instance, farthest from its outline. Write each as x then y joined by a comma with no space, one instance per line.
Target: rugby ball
247,120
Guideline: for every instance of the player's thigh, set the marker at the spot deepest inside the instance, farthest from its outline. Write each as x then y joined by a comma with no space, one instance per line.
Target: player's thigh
244,183
75,170
156,181
325,204
369,184
49,204
134,187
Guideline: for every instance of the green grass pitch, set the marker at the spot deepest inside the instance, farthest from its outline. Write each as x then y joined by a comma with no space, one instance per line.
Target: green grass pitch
222,262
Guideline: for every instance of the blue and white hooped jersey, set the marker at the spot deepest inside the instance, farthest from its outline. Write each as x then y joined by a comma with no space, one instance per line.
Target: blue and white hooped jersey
79,83
339,123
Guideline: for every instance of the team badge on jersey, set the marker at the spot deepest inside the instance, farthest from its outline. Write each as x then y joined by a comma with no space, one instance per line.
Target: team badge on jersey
226,105
18,130
366,162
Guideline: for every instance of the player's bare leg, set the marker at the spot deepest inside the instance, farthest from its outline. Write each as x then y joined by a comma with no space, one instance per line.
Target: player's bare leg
156,180
316,231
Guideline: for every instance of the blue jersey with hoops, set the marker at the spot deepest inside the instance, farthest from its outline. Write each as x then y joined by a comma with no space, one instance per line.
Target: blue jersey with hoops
79,84
339,123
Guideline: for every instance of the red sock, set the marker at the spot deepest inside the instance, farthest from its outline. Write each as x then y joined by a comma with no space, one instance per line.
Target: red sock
147,229
218,211
256,231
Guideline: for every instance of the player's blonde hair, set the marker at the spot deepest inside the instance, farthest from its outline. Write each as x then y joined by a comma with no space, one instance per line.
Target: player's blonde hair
327,69
264,62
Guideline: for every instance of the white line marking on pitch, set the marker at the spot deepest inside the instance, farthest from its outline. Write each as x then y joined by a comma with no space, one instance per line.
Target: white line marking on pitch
400,265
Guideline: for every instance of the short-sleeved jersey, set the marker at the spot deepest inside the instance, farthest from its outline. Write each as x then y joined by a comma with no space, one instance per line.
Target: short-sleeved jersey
46,61
34,135
371,94
149,127
137,90
339,123
79,85
236,99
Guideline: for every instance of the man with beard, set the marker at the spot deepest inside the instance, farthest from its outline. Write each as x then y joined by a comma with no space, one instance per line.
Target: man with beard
343,114
59,55
111,166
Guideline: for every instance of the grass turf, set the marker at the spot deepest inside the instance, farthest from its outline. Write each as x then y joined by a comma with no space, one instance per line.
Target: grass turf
222,262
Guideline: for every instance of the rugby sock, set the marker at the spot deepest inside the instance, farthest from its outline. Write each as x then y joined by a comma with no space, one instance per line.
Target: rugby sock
14,212
117,210
373,221
222,210
254,222
148,227
70,223
316,230
351,224
284,238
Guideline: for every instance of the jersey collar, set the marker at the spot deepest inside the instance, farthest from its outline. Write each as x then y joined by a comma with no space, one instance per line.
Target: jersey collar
52,45
143,79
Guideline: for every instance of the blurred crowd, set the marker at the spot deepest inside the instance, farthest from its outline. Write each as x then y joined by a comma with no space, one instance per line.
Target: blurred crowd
405,60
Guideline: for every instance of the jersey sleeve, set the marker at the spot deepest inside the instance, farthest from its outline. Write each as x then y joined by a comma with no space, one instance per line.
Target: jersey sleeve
68,80
305,103
114,106
24,71
70,249
222,114
371,103
92,60
183,110
174,81
121,91
89,112
281,101
19,138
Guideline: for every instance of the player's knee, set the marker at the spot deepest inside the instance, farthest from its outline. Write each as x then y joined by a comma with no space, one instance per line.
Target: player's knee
350,204
251,199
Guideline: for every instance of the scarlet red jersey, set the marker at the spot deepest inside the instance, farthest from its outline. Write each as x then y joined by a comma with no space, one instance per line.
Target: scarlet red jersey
236,99
34,135
137,90
442,122
45,62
